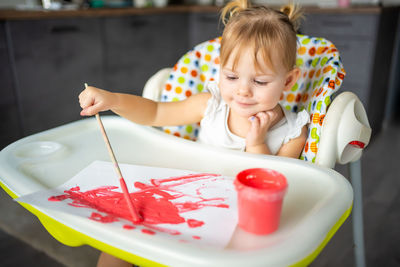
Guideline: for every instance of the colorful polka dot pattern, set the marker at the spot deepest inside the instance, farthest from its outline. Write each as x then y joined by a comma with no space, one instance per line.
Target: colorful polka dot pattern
188,77
322,74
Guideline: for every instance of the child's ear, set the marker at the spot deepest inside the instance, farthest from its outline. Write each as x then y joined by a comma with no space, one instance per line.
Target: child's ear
291,78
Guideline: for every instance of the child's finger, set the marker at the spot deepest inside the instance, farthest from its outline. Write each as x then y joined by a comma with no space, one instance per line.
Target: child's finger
262,116
255,123
86,102
88,98
83,112
87,111
272,115
83,94
91,110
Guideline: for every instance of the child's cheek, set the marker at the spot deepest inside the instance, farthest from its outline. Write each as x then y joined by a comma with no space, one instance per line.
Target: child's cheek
226,91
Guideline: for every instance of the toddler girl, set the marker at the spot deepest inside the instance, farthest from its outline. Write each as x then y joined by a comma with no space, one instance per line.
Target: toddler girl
241,111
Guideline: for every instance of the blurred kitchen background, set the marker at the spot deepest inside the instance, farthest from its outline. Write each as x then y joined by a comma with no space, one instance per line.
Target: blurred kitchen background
49,49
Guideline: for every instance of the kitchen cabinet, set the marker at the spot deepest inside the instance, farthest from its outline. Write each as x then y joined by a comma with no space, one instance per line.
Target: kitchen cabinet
203,26
53,59
10,126
138,46
355,38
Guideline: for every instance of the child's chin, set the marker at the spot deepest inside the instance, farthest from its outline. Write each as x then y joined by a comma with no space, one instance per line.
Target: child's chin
246,115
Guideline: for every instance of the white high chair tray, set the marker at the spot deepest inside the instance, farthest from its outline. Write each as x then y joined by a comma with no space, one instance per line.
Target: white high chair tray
317,202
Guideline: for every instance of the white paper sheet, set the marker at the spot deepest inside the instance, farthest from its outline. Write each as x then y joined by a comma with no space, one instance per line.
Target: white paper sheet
205,203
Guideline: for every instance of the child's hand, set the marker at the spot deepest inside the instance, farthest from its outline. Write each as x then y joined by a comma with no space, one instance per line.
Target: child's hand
93,100
260,123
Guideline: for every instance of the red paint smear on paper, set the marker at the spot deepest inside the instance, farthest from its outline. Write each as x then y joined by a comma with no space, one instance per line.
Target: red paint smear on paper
196,237
194,223
147,231
128,227
156,202
103,218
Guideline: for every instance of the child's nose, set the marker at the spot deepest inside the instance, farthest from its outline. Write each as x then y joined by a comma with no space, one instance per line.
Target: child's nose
244,89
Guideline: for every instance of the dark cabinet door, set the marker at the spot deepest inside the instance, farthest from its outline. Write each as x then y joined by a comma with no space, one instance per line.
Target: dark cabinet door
138,46
203,27
355,37
53,60
10,128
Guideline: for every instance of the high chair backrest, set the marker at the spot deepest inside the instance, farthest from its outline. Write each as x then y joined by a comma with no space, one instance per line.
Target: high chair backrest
321,76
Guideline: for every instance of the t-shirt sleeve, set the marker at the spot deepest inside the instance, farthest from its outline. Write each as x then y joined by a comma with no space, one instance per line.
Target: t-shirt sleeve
302,118
215,100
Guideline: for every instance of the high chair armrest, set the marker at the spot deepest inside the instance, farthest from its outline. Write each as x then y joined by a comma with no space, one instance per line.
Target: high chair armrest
153,87
345,131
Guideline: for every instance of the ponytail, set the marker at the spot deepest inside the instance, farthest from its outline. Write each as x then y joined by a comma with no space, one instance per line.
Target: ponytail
294,14
232,8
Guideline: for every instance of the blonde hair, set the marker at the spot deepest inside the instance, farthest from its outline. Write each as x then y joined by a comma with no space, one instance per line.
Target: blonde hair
265,29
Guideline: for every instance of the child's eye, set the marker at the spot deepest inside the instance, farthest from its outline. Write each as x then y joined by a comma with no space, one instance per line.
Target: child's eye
231,77
260,82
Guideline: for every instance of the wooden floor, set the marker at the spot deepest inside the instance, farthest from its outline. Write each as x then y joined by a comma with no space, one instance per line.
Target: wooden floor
381,190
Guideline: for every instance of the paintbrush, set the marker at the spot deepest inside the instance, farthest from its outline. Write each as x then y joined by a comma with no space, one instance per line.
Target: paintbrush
135,216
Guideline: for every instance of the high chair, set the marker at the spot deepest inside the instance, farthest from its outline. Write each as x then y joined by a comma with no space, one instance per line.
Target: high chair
318,200
335,136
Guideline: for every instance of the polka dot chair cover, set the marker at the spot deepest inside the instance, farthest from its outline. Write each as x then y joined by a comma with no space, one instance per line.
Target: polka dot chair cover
322,74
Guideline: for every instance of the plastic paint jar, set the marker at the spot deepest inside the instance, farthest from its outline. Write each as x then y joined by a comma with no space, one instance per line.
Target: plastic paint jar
260,196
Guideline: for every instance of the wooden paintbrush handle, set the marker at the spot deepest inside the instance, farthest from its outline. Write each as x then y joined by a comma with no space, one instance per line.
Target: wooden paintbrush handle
135,216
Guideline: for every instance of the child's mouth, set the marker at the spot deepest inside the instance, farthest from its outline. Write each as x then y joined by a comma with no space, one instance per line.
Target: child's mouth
244,104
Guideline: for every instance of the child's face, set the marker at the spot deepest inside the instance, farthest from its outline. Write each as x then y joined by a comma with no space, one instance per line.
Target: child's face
248,90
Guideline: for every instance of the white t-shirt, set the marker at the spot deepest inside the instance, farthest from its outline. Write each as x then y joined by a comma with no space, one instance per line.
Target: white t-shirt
214,128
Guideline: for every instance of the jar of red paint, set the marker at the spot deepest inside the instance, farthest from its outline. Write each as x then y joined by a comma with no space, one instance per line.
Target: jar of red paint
260,197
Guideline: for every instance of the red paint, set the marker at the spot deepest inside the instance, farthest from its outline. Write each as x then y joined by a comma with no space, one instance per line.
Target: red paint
184,179
156,202
194,223
63,197
260,196
135,216
128,227
103,218
264,179
196,237
57,198
162,229
147,231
